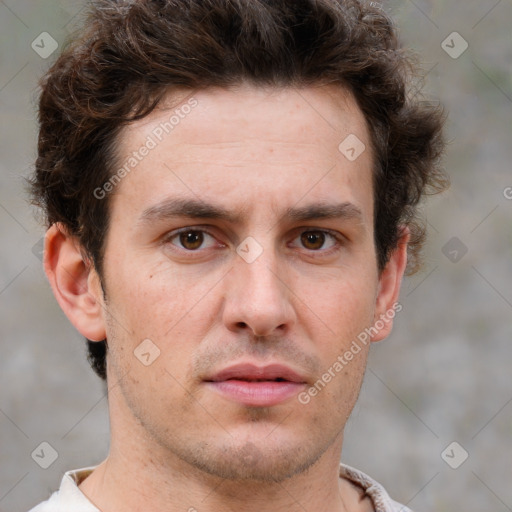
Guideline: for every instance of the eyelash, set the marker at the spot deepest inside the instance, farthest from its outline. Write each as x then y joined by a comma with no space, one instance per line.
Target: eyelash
337,237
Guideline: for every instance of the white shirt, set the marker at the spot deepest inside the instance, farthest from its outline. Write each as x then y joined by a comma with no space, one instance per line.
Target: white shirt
69,498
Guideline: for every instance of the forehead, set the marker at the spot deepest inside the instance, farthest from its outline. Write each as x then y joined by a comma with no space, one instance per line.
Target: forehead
247,108
241,142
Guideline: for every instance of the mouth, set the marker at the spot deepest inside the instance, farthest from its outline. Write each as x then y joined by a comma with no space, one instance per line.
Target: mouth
257,386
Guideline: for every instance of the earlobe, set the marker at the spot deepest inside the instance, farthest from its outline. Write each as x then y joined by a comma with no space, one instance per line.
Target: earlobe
390,282
75,283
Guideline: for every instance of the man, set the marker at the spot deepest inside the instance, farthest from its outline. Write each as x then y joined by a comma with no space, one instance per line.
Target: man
231,191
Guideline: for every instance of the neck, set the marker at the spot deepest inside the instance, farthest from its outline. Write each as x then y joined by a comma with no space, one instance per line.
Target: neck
112,488
124,482
139,475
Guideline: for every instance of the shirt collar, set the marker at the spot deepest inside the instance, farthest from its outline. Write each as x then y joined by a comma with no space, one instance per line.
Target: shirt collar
70,496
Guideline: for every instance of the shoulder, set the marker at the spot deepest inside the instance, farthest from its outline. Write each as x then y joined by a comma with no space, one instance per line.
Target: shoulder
69,498
379,496
50,505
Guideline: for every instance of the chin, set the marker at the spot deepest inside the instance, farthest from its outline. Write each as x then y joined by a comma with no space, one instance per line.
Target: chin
257,461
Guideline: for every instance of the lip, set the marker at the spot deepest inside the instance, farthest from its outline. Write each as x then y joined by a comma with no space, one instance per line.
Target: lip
257,386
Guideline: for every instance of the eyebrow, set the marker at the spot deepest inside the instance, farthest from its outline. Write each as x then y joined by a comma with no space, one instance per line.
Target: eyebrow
193,208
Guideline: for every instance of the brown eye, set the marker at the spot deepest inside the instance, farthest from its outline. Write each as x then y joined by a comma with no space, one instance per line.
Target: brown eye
191,239
319,242
313,240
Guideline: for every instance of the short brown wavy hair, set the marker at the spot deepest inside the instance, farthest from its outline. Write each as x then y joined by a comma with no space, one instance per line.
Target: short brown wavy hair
129,54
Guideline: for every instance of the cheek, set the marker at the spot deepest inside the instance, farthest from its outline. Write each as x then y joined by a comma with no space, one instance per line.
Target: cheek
344,304
173,309
151,298
355,312
350,311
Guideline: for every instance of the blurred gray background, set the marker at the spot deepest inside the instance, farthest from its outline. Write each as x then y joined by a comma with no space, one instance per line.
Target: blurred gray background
443,376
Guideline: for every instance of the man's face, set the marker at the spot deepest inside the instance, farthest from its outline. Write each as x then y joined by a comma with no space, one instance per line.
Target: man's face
271,285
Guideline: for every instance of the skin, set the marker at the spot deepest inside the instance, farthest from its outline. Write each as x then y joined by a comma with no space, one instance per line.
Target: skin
176,444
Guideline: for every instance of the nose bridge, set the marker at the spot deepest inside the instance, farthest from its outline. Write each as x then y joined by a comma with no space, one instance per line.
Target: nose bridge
257,296
261,276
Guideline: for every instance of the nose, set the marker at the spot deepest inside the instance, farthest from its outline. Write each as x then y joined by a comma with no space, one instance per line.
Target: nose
258,297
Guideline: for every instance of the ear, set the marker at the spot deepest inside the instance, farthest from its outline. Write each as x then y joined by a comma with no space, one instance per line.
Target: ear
388,292
75,283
